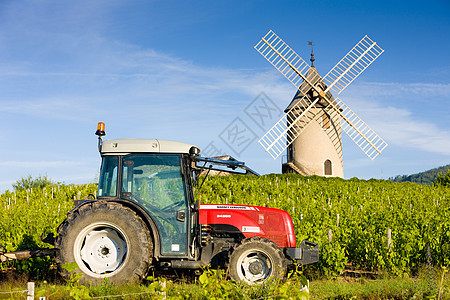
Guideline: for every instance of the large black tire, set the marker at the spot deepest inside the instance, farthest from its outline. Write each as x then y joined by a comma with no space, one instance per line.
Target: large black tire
256,260
106,240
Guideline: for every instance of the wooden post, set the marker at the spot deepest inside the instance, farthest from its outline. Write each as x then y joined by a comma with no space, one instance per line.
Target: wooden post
30,292
389,238
330,235
163,285
337,220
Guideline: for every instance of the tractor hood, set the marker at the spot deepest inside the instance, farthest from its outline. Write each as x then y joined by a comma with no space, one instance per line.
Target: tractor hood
274,224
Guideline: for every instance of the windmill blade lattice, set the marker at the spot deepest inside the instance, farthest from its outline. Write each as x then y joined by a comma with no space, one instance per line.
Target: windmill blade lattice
352,64
284,59
289,127
363,136
295,69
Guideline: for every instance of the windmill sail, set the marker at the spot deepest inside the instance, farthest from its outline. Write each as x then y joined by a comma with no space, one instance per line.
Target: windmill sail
364,53
284,59
298,115
295,69
352,64
289,127
363,136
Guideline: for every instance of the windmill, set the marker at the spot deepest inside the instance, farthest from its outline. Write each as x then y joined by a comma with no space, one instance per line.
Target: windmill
311,127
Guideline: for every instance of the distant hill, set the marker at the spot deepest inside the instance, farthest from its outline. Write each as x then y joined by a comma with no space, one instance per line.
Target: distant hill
426,177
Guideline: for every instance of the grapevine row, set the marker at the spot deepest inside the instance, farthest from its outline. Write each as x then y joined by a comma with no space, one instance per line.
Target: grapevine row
358,212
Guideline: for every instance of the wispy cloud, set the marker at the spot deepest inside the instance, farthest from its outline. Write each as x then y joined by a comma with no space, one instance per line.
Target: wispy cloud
394,111
145,78
402,129
81,74
153,81
396,90
77,71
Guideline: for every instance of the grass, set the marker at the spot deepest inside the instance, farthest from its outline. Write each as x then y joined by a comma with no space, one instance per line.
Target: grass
390,288
421,286
213,285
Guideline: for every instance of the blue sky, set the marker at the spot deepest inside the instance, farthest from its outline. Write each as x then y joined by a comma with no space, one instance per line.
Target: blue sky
187,71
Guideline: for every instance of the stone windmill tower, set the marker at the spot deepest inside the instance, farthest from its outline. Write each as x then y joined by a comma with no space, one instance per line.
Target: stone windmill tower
318,150
311,128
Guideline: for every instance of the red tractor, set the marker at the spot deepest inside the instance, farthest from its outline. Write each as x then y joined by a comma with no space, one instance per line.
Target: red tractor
145,215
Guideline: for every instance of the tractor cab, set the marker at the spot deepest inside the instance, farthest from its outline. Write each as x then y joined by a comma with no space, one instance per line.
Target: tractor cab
153,175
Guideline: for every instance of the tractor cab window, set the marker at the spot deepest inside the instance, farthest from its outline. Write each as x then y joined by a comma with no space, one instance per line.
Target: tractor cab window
107,187
155,181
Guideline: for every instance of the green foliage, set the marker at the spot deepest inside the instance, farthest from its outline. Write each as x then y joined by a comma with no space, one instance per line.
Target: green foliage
442,180
27,213
28,183
76,290
341,288
427,177
418,216
332,259
214,285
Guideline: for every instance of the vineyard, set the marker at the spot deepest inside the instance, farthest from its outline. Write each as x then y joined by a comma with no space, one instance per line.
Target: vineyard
359,214
350,219
26,214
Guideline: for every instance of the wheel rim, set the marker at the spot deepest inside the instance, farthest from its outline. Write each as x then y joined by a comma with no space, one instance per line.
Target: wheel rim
254,266
100,250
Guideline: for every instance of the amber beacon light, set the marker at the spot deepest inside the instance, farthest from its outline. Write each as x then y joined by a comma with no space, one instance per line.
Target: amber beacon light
100,132
100,129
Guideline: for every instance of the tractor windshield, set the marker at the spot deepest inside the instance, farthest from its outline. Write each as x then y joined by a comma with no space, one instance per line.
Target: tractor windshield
155,181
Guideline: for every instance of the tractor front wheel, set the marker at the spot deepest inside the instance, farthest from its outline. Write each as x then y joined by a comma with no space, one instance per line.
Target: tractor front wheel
105,240
256,260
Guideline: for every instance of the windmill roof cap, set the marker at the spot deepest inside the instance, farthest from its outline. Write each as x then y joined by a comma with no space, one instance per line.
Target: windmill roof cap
313,76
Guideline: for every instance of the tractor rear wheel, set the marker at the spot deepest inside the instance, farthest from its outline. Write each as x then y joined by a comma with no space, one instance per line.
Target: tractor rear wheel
256,260
105,240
